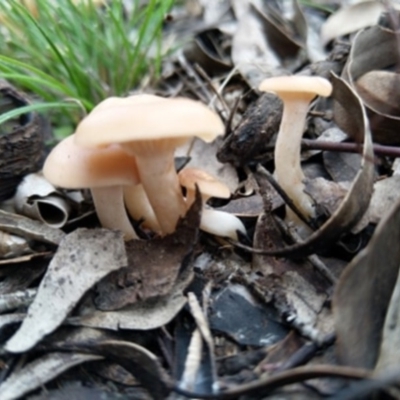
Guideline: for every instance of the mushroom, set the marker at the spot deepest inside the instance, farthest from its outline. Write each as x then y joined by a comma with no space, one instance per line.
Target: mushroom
139,208
105,171
208,185
219,223
151,131
296,93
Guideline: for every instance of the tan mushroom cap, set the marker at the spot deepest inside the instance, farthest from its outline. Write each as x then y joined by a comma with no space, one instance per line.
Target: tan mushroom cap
74,167
208,185
287,85
113,101
176,118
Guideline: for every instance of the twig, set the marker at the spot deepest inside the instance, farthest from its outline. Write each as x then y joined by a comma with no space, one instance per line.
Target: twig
295,375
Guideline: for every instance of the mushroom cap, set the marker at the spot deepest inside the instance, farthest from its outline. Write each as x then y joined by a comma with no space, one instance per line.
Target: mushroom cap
74,167
111,102
208,185
144,121
297,84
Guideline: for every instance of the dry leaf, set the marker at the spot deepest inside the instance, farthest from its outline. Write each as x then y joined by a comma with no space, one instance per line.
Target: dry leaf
38,199
350,19
40,371
153,265
363,294
28,228
83,258
376,49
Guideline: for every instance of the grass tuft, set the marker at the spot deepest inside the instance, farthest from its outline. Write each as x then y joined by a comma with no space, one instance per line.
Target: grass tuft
69,49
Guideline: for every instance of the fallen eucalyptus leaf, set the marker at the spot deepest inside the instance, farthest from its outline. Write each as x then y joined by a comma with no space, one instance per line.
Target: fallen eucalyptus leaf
83,258
28,228
12,246
376,49
154,266
363,294
78,393
386,195
201,51
140,362
380,90
350,19
144,315
40,371
250,52
19,276
38,199
389,352
17,299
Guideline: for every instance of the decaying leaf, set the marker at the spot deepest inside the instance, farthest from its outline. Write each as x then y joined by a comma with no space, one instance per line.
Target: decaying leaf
21,141
153,265
144,315
350,19
16,299
140,362
19,276
12,246
363,294
28,228
40,371
38,199
83,258
376,49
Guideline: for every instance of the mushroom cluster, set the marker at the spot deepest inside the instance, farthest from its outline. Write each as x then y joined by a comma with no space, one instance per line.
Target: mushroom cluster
124,152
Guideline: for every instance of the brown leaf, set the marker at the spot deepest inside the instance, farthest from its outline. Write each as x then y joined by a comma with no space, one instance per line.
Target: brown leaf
153,265
362,296
83,258
376,49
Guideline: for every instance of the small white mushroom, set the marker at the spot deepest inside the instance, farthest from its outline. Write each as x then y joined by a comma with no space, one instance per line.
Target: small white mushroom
216,222
296,93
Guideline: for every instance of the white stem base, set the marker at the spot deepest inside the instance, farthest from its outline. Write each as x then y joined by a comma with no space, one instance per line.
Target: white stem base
110,209
161,183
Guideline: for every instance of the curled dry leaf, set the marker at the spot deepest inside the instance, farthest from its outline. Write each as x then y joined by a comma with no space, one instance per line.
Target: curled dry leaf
38,199
28,228
363,294
373,50
40,371
137,360
83,258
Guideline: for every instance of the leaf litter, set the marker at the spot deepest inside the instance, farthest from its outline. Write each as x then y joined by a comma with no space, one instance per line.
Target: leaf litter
199,315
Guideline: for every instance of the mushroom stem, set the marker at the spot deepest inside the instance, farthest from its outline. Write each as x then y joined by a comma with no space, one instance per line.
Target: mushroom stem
160,181
221,223
287,153
110,209
137,203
